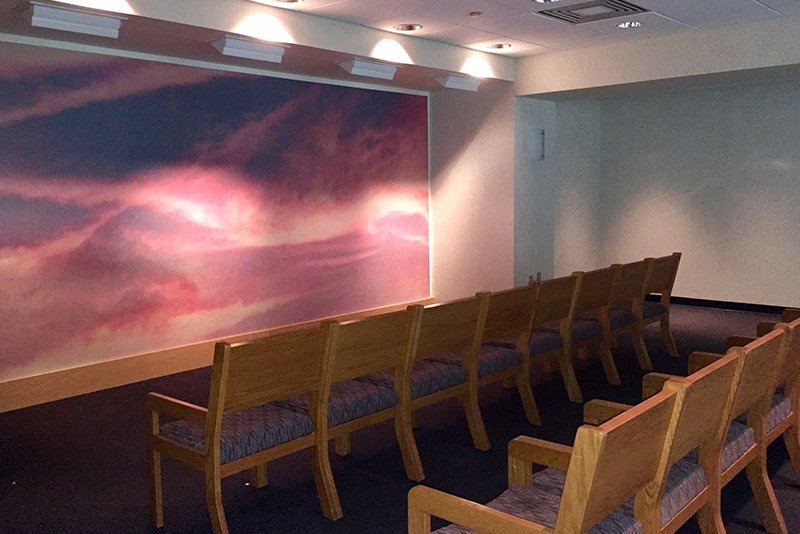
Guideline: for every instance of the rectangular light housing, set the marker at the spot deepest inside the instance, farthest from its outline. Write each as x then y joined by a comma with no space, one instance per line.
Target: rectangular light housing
372,69
230,45
75,20
454,81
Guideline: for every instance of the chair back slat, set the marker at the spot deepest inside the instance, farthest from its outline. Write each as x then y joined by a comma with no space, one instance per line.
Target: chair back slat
790,375
372,344
510,313
271,368
702,398
611,462
630,282
762,359
595,289
554,299
662,274
451,327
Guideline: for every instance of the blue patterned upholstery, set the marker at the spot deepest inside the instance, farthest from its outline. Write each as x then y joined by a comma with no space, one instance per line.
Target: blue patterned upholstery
781,409
583,329
549,327
685,481
620,317
427,377
543,341
651,309
539,503
507,342
491,359
244,432
739,439
349,399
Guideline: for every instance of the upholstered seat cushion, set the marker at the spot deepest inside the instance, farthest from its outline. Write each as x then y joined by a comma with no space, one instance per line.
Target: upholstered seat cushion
244,432
348,400
549,327
427,377
491,359
781,409
685,481
585,329
539,503
543,341
621,316
739,439
652,309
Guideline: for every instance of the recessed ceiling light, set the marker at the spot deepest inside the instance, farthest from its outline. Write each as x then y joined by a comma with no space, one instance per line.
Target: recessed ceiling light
499,46
545,1
475,13
407,27
629,25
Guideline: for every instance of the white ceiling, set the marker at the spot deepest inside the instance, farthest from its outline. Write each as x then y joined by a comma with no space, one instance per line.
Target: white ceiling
518,23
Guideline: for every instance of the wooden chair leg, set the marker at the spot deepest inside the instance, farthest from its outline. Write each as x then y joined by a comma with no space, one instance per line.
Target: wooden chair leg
568,374
214,501
408,449
154,486
520,472
526,396
414,423
709,517
326,487
765,494
609,367
418,522
641,349
475,420
258,476
669,341
792,440
341,444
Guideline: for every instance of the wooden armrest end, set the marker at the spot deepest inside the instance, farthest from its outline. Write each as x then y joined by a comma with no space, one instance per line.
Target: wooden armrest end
698,360
598,411
157,402
424,502
652,383
790,314
741,341
765,328
537,451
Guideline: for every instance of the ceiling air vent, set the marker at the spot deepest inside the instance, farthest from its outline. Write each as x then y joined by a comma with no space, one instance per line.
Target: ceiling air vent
593,11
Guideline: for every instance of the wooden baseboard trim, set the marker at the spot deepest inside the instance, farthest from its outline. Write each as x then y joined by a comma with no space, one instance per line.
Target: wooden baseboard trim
39,389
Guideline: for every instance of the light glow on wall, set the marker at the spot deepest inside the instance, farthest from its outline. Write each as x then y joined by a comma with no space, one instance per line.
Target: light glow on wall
113,6
264,27
391,50
478,67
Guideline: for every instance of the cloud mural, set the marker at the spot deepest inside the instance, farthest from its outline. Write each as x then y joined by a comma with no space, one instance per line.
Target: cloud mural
145,206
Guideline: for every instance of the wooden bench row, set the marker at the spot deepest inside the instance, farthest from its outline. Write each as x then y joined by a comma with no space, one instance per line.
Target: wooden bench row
298,390
649,468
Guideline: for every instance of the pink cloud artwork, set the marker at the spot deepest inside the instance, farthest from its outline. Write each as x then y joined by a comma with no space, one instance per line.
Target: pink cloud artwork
146,206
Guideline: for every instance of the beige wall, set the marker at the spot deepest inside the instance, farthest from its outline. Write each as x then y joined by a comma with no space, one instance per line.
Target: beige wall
472,190
746,48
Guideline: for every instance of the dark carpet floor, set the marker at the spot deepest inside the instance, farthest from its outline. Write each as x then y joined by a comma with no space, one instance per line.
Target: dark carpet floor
78,465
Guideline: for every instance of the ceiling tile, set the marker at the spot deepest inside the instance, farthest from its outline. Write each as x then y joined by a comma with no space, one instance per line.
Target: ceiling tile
518,48
462,35
651,24
429,25
785,7
457,11
305,5
361,11
709,13
534,28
